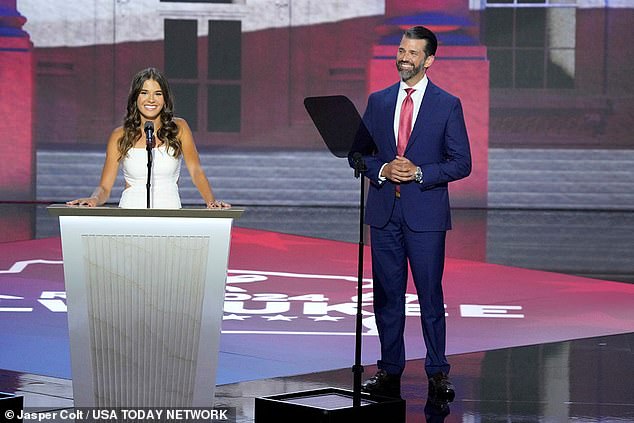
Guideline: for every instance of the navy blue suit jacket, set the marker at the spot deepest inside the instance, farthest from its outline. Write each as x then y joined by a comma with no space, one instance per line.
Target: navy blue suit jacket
438,144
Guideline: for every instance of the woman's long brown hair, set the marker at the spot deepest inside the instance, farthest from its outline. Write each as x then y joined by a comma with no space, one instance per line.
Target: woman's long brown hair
132,131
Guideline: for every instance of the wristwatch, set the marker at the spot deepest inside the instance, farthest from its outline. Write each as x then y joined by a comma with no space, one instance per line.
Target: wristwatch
418,176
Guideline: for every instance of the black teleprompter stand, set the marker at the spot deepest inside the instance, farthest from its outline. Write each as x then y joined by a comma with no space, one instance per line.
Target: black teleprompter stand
343,131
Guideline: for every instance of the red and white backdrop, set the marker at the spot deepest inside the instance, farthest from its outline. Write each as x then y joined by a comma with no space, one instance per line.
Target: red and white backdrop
241,70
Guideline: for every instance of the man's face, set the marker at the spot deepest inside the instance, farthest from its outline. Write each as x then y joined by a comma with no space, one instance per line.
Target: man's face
411,60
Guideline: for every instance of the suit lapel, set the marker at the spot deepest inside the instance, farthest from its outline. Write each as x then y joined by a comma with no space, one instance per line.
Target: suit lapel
425,114
389,108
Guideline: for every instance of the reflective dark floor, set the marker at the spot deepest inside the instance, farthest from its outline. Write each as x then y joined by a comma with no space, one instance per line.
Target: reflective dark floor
587,380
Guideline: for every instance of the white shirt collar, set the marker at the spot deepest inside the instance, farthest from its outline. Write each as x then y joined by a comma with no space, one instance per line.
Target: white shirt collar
419,87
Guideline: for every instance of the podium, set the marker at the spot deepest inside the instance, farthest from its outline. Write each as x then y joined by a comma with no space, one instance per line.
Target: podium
145,293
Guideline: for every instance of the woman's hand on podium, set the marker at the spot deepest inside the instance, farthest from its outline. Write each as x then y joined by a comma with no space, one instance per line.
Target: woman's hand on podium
88,202
218,204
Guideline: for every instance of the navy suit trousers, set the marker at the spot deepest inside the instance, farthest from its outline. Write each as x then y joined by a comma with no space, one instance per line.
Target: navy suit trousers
393,246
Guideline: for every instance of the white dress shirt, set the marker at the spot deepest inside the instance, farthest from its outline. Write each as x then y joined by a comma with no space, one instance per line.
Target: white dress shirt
417,98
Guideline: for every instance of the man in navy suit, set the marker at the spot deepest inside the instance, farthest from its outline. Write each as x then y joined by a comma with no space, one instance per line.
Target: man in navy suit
408,207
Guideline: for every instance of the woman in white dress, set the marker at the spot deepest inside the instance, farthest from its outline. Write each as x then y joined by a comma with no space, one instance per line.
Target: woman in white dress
150,100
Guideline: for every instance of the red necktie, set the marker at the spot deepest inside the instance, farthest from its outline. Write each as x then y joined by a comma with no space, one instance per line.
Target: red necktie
405,122
404,126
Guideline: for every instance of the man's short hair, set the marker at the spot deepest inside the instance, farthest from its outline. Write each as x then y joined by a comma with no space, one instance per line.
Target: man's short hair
421,33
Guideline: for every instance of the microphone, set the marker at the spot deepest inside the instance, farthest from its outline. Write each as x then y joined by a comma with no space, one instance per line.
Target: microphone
148,128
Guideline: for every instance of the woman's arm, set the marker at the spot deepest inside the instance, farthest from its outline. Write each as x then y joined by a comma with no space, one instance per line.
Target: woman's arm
108,174
192,161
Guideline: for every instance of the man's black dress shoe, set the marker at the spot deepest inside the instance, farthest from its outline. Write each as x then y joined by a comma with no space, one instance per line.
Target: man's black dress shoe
436,410
441,388
383,384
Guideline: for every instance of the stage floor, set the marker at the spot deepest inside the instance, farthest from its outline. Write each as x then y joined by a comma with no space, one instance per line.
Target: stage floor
300,292
289,317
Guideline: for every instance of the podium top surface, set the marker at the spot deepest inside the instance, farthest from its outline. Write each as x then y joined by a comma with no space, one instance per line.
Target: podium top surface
65,210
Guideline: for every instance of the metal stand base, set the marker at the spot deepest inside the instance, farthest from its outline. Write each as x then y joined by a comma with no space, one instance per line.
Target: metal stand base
328,405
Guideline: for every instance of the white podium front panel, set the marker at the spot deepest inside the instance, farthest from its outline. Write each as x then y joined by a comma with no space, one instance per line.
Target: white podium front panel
145,298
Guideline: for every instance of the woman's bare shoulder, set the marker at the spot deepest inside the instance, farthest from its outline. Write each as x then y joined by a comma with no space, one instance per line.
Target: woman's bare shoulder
183,126
115,136
117,132
181,122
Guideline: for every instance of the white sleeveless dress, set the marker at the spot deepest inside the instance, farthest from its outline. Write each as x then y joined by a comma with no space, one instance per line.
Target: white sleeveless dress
163,183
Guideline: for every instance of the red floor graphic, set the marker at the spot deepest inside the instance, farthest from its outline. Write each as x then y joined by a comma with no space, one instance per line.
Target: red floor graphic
290,305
